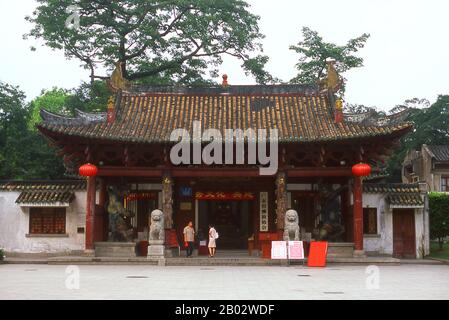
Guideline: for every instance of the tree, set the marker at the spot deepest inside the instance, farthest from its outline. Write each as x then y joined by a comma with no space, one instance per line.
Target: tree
160,41
439,216
314,53
24,154
89,97
13,120
54,100
430,126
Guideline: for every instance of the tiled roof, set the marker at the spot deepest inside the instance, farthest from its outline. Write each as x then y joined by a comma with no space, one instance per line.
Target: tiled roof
150,114
398,194
405,200
44,192
440,153
390,188
55,185
45,197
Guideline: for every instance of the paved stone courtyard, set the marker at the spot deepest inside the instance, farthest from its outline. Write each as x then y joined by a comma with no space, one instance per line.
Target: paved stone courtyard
294,282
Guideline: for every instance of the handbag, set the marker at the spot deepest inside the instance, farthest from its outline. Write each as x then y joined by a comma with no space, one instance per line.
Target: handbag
216,235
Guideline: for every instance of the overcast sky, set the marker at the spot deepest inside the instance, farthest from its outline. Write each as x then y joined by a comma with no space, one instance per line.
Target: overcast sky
407,55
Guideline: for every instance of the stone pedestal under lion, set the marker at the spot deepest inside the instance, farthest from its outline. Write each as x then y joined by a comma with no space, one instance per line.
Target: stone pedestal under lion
156,235
291,226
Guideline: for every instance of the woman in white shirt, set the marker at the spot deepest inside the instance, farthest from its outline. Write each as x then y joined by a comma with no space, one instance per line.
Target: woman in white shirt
213,235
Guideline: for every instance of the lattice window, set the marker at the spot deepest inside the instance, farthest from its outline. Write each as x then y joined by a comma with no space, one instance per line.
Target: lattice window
370,221
47,220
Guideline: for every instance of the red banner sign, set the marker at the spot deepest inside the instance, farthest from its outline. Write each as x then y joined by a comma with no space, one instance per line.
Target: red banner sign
236,196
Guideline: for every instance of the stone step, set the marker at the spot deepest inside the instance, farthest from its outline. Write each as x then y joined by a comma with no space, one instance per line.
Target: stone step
115,249
14,260
101,260
200,261
217,261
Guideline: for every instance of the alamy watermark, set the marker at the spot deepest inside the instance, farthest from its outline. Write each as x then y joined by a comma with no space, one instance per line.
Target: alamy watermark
72,281
220,150
73,20
372,281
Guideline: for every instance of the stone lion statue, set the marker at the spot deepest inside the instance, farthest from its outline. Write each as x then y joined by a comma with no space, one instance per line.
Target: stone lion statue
157,225
291,226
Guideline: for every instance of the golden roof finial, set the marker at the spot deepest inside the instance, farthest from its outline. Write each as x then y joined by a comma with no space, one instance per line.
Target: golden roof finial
225,80
332,81
339,104
117,81
111,102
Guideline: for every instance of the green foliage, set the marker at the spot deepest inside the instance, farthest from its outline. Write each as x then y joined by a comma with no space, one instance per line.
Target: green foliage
431,126
89,97
2,255
314,52
159,41
54,100
24,154
439,216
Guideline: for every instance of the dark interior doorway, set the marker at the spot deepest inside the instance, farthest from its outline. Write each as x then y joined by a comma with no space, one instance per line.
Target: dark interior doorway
232,220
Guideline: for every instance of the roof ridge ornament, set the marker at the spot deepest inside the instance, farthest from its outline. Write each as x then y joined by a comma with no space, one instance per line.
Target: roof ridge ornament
332,82
117,81
225,83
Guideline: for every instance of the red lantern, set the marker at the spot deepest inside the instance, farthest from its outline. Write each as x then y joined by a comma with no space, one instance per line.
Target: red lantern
361,170
88,170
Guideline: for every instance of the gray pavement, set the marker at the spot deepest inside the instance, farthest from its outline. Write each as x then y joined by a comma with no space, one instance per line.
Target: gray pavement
216,283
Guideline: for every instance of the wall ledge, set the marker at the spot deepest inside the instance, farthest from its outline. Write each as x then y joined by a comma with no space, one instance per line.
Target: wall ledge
371,236
45,235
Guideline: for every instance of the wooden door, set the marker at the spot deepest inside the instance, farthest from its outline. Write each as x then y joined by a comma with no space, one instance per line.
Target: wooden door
404,241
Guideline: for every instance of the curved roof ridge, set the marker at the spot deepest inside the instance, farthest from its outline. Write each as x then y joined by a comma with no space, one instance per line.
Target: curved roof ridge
274,89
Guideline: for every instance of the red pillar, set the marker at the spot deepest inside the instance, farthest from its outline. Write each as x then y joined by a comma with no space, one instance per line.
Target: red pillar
90,213
358,214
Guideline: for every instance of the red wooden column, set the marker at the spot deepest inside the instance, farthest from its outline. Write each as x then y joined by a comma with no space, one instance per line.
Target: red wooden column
358,214
90,213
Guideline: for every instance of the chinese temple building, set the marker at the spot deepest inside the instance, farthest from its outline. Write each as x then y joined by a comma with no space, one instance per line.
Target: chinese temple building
318,145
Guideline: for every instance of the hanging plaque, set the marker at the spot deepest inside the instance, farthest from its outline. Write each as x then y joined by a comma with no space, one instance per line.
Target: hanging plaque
263,199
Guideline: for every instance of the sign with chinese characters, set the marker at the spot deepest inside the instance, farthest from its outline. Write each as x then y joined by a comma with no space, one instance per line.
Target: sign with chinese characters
295,250
141,196
263,199
278,249
235,196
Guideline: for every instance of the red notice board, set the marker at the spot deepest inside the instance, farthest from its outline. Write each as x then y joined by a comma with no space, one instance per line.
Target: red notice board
171,240
317,254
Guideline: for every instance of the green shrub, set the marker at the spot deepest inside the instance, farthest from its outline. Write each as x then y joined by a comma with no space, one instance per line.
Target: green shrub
2,254
439,216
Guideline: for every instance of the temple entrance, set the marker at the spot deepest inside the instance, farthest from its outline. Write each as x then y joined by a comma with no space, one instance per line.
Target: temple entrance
141,204
232,220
